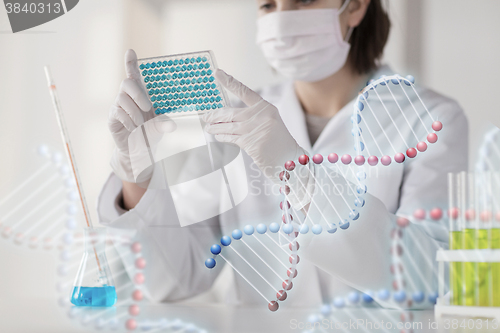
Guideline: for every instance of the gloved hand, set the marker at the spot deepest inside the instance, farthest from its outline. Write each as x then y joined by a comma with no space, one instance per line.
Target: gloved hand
131,109
259,130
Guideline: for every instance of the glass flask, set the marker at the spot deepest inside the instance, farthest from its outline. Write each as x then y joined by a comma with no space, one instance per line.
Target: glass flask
94,285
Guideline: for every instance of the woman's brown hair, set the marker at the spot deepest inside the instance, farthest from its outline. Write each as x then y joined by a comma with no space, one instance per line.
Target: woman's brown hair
369,38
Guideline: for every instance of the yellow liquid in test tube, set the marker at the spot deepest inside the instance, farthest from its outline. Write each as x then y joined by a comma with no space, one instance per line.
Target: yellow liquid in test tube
456,280
470,270
495,268
483,270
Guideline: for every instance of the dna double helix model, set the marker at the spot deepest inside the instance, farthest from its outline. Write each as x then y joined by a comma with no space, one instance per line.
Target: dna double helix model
37,211
489,161
42,213
390,122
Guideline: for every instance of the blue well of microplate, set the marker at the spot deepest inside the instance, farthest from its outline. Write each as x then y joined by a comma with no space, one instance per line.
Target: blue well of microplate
182,83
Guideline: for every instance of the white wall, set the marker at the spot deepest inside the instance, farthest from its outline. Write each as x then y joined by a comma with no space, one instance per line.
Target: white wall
449,45
461,57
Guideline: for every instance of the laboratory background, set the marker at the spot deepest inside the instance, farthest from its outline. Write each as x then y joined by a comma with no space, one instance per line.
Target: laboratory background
451,46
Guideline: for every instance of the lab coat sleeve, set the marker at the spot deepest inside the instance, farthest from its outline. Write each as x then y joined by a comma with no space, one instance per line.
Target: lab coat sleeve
174,256
362,255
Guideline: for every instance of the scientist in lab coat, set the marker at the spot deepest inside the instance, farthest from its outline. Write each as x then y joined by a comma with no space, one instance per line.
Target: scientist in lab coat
328,50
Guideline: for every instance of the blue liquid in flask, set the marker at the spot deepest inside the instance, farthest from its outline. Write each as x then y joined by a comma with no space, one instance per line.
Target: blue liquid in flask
94,296
94,284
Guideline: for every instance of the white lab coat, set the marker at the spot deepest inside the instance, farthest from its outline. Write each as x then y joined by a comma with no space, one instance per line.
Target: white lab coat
331,265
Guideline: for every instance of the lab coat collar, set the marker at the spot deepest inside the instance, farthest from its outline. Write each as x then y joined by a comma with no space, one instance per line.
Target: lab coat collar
294,118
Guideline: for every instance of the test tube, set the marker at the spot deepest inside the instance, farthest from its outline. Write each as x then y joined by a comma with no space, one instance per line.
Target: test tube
456,297
494,188
469,238
483,229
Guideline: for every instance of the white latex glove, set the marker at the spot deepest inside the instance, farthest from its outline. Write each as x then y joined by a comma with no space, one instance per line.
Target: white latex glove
259,130
131,109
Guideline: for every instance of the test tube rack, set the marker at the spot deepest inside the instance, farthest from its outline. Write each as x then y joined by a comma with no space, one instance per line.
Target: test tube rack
443,306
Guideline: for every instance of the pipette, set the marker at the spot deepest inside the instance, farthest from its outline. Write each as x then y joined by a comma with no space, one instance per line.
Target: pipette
67,143
69,151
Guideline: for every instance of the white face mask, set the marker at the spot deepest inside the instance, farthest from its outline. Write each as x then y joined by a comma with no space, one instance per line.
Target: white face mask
304,45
